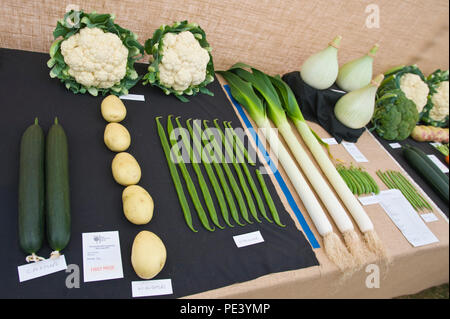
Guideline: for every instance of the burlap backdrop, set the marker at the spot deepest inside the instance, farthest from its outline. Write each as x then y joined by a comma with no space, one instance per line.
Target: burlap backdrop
275,36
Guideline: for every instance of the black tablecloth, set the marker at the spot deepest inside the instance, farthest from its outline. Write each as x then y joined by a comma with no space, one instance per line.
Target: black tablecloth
196,262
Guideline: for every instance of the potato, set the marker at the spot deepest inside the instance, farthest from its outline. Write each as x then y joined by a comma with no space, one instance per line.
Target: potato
125,169
148,254
116,137
113,109
137,204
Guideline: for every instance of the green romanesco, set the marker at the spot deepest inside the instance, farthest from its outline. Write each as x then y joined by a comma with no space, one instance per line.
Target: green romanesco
395,116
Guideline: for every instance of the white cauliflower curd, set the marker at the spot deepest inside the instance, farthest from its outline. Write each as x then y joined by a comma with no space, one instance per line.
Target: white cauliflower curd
441,102
95,58
415,89
184,61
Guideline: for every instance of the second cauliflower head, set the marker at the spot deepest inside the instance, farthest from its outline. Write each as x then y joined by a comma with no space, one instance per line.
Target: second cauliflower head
184,61
181,61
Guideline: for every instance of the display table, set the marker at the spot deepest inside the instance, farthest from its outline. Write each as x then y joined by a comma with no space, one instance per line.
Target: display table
287,270
411,270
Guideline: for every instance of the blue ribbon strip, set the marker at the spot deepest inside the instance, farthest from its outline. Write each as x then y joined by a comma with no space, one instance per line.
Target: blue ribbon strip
312,239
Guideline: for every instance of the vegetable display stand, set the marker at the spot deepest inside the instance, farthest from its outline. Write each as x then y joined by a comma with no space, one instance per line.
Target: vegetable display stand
288,255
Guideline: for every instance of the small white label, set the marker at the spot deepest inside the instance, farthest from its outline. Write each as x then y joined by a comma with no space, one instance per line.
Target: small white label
430,217
330,141
438,163
133,97
435,144
148,288
369,200
353,150
41,268
395,145
248,239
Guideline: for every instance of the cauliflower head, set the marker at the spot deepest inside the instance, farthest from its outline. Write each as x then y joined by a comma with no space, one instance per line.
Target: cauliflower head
415,89
395,116
181,61
94,55
184,61
436,112
95,58
440,101
411,81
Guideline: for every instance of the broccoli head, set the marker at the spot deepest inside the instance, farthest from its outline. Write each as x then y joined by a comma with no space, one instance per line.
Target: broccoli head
395,116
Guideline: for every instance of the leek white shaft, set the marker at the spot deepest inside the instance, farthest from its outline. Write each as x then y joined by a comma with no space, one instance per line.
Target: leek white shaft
317,181
341,188
302,188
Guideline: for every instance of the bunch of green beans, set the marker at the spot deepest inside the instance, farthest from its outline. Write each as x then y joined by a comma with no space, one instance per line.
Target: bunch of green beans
220,185
359,181
395,180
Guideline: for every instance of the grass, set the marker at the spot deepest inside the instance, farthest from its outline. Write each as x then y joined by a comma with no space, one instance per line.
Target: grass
438,292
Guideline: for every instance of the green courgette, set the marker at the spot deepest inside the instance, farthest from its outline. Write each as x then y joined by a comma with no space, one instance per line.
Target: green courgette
31,190
57,188
428,173
430,162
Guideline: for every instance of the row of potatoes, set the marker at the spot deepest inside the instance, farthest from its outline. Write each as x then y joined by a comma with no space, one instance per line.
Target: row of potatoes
148,254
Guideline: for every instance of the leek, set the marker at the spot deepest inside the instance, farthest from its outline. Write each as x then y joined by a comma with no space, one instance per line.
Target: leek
355,109
266,86
356,74
244,93
353,206
321,69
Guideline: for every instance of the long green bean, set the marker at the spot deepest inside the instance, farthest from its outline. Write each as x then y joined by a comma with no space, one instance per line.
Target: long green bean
351,179
239,158
189,183
355,173
210,173
349,184
247,194
426,204
270,203
405,191
175,177
201,180
238,142
234,186
375,188
223,181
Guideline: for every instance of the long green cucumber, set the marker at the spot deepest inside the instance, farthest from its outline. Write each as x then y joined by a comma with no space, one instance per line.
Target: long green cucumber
31,192
429,162
57,188
428,173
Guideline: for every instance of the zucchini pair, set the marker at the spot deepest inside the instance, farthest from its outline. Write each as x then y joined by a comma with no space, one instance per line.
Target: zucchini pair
44,196
428,170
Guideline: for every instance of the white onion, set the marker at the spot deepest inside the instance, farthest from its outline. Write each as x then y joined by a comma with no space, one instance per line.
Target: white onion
355,109
320,70
357,73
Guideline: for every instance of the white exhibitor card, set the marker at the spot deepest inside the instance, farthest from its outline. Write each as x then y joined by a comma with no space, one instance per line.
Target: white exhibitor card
406,218
41,268
101,256
354,151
